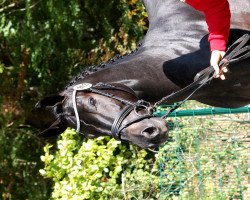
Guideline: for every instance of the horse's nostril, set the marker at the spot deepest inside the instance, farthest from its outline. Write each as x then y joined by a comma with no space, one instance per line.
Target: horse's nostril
150,132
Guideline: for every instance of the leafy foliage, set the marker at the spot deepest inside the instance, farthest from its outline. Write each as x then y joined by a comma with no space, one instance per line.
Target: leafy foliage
53,39
42,44
100,169
19,177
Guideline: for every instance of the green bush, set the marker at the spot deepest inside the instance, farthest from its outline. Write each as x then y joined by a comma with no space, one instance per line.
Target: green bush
100,169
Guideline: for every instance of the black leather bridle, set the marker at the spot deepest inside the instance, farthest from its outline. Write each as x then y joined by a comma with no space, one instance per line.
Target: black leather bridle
116,127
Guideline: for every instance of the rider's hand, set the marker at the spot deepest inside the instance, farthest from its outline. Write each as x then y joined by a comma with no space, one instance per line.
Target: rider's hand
216,57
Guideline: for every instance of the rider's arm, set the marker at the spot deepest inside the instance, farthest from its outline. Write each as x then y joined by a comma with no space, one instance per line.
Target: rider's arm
217,14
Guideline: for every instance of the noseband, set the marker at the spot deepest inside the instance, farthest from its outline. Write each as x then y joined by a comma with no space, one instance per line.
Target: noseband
117,127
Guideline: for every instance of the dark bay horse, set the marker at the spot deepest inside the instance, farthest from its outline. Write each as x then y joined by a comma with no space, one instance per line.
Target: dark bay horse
173,51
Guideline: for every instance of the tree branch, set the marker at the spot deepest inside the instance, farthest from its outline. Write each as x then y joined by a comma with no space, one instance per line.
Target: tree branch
2,3
17,5
12,5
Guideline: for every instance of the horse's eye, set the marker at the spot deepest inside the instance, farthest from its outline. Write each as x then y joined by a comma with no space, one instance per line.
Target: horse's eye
92,101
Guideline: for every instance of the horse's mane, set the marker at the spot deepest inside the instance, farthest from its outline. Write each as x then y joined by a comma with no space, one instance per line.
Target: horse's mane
86,71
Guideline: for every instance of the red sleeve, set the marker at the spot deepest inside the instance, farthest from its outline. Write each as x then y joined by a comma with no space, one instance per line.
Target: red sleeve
217,14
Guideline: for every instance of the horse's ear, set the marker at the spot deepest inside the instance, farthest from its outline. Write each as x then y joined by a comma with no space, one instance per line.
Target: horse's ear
55,129
49,101
45,114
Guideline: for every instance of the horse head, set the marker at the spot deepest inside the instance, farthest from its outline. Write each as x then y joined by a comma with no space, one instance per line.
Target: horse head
104,109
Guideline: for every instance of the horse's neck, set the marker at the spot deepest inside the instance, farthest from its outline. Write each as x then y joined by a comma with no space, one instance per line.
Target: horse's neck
240,11
174,34
173,23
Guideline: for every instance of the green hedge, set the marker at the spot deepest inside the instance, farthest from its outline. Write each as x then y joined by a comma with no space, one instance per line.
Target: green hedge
102,168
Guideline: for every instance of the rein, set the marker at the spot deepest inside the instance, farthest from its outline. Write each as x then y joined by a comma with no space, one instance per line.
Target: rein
116,126
238,51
